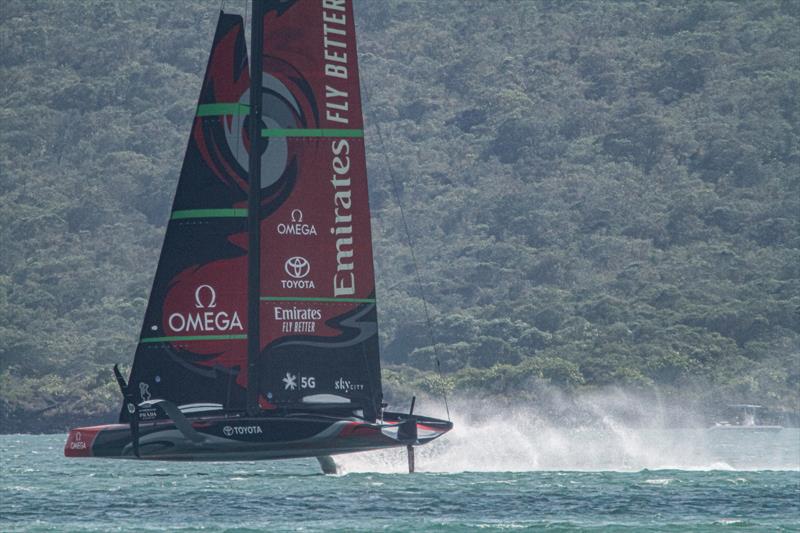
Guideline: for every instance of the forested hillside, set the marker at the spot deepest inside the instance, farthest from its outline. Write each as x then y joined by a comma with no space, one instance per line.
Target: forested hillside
600,193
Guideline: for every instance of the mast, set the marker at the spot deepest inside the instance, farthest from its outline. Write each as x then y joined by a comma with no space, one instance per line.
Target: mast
254,207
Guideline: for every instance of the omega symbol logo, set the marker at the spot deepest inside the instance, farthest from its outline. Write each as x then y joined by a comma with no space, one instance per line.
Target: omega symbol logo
297,267
212,300
78,436
297,215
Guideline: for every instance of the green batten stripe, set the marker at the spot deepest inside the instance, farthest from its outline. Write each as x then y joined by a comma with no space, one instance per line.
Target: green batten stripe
195,338
216,110
208,213
312,299
311,133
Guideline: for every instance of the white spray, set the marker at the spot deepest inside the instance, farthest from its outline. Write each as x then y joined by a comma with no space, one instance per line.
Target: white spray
611,431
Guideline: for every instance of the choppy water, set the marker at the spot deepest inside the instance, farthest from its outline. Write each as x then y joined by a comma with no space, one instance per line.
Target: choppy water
568,480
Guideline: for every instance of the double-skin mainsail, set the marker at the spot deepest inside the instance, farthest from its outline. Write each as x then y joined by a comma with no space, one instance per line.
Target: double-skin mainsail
263,304
316,289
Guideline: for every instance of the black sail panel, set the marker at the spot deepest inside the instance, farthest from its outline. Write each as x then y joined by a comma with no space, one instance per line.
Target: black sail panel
319,332
192,347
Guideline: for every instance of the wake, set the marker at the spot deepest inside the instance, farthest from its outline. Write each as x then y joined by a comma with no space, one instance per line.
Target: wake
490,438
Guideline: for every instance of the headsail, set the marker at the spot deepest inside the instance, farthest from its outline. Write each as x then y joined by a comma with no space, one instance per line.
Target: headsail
192,346
318,314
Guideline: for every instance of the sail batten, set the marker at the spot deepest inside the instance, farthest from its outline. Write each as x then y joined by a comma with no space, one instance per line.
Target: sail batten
173,339
221,109
312,132
208,213
331,299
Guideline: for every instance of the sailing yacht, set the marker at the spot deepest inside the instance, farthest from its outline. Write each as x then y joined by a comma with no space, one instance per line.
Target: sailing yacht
260,338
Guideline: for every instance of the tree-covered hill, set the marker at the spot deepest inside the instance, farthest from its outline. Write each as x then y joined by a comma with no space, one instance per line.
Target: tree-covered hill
600,193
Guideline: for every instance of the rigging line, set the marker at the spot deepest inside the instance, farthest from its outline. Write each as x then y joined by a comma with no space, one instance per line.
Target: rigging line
396,192
416,267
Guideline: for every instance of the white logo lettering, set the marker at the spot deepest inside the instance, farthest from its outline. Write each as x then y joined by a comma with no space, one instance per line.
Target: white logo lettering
306,382
344,385
198,302
297,284
77,443
241,430
296,229
344,280
297,319
296,226
205,297
297,267
290,381
295,313
147,414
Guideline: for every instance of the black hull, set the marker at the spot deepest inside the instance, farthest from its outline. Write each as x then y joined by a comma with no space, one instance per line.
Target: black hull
241,438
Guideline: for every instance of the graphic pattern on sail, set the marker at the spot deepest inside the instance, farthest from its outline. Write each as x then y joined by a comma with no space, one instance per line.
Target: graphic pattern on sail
193,343
318,315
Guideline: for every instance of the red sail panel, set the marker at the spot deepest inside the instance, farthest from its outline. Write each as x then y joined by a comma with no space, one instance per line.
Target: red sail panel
319,328
193,345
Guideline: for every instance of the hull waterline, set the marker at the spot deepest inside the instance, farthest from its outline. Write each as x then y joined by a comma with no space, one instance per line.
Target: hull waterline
224,438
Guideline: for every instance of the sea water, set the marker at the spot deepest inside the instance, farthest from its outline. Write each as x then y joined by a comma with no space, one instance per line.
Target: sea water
478,478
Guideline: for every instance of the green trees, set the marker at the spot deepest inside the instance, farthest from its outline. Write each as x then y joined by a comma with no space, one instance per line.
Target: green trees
598,194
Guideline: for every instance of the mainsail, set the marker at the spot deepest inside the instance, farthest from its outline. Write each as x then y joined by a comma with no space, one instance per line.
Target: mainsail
316,290
319,321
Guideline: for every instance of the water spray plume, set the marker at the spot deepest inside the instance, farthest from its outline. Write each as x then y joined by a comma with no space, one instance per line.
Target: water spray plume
611,431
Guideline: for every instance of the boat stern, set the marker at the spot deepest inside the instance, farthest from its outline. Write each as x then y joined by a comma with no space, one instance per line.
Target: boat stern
80,440
414,429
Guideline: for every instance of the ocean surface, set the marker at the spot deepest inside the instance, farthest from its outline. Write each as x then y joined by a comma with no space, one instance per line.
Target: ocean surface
476,480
